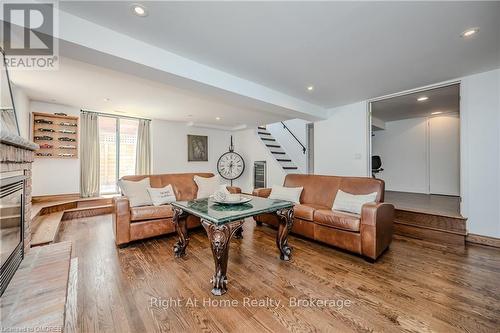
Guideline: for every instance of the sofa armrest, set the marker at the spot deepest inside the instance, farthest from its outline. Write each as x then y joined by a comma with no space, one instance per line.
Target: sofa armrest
121,220
376,228
261,192
233,189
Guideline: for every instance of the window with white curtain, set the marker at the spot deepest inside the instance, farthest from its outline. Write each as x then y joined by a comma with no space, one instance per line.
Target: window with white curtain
118,142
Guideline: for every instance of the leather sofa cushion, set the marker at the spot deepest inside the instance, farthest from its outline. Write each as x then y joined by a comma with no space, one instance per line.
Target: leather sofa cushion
336,219
322,190
151,212
306,211
183,183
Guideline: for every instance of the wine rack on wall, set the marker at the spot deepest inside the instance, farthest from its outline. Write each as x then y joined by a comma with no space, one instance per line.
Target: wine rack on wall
57,135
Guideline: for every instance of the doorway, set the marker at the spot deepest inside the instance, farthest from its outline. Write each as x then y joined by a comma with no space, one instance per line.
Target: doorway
415,148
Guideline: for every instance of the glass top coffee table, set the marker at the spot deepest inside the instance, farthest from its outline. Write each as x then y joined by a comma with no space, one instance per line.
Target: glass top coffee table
222,222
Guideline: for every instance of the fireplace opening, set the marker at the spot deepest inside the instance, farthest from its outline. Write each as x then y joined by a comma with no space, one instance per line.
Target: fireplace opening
11,227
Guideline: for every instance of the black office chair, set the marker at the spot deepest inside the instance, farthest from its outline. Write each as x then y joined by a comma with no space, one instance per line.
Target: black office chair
376,165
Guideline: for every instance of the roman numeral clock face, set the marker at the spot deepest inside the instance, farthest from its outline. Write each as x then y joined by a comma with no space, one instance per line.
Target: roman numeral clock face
230,165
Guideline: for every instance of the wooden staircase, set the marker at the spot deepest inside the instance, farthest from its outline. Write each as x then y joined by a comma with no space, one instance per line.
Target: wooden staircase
276,150
47,216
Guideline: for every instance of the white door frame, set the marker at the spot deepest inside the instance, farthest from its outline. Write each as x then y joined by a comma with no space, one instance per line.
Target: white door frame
412,91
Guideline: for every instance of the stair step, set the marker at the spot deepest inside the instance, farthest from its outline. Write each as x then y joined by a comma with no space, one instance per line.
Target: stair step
262,127
46,229
36,296
273,146
278,152
264,133
283,160
87,212
290,168
268,139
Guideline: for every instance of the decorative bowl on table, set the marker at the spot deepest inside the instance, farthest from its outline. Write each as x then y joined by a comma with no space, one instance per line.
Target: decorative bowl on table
229,199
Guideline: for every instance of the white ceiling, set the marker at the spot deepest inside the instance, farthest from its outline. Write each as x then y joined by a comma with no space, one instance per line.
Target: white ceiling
87,86
443,99
349,51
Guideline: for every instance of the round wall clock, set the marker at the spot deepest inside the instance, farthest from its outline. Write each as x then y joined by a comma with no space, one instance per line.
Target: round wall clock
230,165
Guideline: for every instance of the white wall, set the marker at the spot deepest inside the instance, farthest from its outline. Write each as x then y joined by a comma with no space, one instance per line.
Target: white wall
420,155
344,134
444,154
22,105
169,147
289,144
252,149
402,146
52,175
341,142
480,155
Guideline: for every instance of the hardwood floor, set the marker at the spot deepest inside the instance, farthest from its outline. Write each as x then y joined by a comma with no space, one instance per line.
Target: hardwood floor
414,287
427,203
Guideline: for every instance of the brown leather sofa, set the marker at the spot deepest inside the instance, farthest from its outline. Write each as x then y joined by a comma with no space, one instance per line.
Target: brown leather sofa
368,234
134,223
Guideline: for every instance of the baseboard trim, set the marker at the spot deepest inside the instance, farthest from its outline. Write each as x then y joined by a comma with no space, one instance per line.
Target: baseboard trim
55,197
483,240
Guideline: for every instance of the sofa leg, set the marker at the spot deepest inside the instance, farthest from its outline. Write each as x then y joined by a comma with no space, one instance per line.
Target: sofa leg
258,223
122,246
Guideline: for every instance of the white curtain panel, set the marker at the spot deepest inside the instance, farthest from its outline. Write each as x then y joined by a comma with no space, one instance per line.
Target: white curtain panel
89,159
143,151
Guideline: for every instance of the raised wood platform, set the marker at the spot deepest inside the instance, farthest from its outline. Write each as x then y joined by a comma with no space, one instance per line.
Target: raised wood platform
430,227
35,299
47,215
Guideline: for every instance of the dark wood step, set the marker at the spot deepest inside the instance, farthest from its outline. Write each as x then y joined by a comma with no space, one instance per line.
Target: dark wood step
283,160
262,127
264,133
274,146
430,226
278,152
268,139
76,213
290,168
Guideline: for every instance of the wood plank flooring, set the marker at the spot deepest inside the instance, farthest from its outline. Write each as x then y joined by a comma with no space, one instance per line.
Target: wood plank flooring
414,287
428,203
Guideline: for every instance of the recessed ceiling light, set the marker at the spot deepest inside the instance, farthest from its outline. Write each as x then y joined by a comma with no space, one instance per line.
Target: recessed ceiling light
422,99
217,118
139,10
106,99
469,32
310,88
436,112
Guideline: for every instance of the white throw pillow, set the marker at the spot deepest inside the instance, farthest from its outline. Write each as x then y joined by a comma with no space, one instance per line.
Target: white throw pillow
206,186
136,192
163,195
352,203
286,193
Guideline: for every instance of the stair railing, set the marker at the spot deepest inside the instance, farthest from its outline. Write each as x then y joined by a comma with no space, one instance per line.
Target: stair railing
289,131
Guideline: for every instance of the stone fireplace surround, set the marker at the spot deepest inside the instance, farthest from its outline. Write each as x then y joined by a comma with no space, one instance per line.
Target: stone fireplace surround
17,154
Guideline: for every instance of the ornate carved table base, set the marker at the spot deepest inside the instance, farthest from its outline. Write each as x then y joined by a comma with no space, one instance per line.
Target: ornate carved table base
220,237
239,232
286,221
180,224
